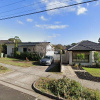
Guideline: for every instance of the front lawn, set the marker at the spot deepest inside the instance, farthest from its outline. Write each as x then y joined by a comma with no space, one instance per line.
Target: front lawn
93,71
18,62
67,89
4,69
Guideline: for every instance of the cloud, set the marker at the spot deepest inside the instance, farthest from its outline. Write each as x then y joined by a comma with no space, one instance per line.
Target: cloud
97,3
88,4
19,22
81,10
29,20
53,36
57,22
43,18
50,4
52,26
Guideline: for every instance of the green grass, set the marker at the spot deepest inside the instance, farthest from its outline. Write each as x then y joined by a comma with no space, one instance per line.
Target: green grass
4,69
66,88
93,71
18,62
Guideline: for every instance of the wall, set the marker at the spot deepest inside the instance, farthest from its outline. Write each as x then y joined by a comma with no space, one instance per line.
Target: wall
9,49
65,58
91,59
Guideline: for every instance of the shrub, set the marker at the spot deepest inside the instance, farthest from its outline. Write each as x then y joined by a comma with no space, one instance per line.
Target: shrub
76,65
79,64
68,89
73,64
30,56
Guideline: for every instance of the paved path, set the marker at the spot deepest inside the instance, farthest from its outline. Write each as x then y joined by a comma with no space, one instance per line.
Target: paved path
71,74
6,94
24,77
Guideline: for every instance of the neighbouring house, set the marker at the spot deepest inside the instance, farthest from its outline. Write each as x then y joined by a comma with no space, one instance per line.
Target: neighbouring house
32,47
5,41
84,47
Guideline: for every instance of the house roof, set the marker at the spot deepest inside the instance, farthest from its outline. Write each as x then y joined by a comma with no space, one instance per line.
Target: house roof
85,46
5,41
31,43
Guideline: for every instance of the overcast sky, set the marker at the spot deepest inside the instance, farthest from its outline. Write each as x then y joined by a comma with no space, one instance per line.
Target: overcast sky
63,26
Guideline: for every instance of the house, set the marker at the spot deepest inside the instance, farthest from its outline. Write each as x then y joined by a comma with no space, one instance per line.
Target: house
32,47
84,47
4,41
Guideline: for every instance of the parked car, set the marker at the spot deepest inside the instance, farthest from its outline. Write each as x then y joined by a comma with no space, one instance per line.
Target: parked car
47,60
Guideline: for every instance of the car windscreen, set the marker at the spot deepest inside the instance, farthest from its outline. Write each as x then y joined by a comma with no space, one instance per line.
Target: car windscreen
47,57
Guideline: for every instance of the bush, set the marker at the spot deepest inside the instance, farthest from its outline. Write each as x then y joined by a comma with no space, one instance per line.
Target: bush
68,89
30,56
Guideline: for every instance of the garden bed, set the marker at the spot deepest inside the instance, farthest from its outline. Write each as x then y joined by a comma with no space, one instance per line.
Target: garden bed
87,73
66,89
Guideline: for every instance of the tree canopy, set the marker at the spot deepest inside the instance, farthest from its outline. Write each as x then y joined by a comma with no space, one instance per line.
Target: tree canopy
16,39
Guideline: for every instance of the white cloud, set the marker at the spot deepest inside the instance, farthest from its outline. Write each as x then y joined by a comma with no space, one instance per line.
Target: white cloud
57,3
88,4
19,22
81,10
97,3
53,36
43,18
57,22
52,26
29,20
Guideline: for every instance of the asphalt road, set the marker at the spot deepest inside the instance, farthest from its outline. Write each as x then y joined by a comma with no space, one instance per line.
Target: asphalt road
7,93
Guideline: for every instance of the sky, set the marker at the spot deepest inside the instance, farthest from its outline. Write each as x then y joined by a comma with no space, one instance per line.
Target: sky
61,26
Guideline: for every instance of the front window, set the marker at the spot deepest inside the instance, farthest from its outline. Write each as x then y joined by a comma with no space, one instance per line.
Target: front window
24,49
80,57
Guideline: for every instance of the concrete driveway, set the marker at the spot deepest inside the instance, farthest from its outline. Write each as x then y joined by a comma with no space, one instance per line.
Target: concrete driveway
24,77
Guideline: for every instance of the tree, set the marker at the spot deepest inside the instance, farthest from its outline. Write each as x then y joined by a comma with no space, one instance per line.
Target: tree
59,47
1,48
99,40
16,39
73,44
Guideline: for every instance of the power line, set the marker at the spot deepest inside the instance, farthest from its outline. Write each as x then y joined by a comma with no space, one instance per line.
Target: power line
28,6
35,9
47,10
12,3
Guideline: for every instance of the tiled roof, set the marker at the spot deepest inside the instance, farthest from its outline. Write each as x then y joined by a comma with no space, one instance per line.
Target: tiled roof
86,46
31,43
5,41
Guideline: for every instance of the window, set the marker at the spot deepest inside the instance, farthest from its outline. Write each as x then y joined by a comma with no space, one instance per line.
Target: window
76,59
24,49
12,50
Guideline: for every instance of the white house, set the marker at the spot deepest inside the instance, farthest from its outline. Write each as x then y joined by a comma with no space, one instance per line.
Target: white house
32,47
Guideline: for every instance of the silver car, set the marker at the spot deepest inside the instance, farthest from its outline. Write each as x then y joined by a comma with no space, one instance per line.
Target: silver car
47,60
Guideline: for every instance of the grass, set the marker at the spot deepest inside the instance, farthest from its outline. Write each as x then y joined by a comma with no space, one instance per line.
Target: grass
93,71
18,62
67,89
56,68
4,69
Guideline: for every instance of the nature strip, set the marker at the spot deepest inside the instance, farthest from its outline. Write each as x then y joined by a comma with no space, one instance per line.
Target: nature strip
45,94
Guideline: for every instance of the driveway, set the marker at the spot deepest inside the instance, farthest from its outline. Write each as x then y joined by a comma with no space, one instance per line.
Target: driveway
24,77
